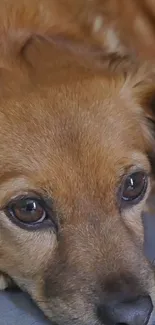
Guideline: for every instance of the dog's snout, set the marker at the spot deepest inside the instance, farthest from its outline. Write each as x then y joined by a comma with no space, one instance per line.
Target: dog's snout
136,312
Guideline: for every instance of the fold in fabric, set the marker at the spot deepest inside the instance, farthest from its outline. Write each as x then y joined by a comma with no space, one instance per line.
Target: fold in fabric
149,236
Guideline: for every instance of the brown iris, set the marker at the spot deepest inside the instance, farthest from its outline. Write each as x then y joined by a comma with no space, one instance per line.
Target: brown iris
28,210
135,186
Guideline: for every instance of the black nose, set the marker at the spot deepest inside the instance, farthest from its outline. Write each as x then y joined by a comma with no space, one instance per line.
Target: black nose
135,312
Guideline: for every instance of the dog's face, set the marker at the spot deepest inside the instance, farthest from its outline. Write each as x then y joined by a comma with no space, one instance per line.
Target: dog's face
74,179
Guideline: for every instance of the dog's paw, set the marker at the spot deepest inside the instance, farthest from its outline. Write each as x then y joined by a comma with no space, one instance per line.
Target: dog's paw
5,282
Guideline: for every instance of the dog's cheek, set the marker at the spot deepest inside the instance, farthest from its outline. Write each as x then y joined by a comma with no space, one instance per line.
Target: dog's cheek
133,221
18,251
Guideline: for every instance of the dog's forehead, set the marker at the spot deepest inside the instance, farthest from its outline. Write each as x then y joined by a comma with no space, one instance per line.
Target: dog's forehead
66,127
69,140
77,117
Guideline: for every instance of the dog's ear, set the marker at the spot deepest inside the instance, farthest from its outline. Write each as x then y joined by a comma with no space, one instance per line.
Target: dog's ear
124,27
117,27
76,20
21,20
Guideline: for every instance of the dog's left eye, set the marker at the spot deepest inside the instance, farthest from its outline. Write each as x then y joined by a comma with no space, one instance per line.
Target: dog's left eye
27,210
134,187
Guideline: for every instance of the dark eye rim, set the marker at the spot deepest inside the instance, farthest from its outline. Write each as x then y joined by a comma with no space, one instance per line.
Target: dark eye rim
128,203
49,221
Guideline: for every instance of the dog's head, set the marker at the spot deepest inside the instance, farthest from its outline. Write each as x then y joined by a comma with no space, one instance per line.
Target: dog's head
76,152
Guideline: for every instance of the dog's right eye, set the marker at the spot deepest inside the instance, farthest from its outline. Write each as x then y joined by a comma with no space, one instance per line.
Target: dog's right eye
29,212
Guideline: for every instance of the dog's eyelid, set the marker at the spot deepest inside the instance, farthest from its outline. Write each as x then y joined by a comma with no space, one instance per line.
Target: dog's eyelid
43,202
137,182
16,198
15,205
29,194
132,169
48,201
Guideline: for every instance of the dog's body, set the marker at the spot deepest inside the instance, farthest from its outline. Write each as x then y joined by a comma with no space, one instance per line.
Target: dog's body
72,139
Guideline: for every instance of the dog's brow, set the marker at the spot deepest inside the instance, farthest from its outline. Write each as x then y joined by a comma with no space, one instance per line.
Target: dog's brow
11,185
6,175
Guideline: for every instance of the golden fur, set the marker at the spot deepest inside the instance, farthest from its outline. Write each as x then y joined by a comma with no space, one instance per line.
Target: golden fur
69,130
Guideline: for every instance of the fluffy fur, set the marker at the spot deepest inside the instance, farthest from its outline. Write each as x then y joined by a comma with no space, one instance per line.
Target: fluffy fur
70,131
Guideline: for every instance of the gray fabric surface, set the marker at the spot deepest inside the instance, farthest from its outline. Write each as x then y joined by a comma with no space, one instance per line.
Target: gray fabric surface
17,308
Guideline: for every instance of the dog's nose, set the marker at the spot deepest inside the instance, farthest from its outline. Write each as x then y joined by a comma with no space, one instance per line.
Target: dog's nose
135,312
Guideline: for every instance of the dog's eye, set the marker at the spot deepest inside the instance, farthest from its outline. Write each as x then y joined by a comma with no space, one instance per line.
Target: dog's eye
134,187
32,213
27,210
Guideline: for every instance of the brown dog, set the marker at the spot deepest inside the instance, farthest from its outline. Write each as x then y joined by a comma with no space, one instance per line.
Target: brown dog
76,153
